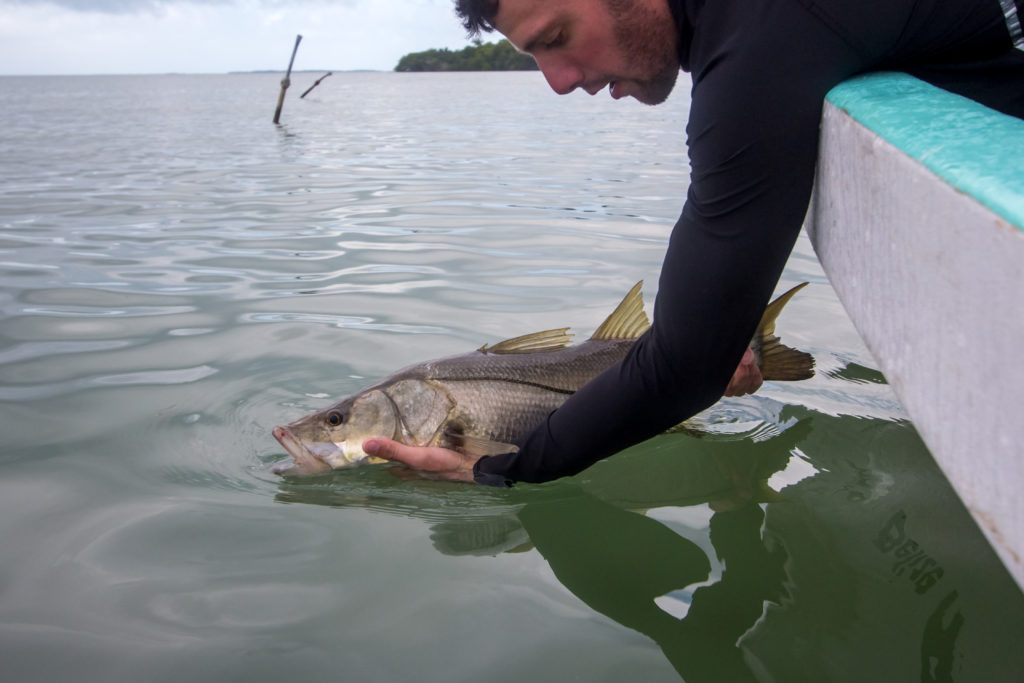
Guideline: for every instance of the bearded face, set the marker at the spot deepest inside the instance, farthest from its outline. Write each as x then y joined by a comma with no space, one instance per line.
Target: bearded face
627,45
647,43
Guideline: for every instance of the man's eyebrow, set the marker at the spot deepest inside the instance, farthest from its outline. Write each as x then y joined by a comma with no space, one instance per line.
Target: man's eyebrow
538,38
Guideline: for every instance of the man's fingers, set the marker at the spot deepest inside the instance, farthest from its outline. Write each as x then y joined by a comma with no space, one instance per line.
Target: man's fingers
392,450
747,379
429,461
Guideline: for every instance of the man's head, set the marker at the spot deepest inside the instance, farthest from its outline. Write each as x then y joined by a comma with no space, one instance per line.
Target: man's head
629,45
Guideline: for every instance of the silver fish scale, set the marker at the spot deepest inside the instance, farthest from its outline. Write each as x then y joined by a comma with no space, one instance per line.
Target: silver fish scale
499,411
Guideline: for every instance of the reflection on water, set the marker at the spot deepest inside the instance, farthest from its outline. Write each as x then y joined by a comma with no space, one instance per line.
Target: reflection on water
177,275
684,540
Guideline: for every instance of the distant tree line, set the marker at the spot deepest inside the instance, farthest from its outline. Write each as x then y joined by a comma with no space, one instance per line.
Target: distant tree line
499,56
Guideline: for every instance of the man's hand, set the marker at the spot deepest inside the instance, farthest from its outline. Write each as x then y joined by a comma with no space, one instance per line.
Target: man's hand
430,462
747,379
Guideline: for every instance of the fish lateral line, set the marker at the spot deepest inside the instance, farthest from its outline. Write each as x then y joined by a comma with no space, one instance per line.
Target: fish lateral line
510,380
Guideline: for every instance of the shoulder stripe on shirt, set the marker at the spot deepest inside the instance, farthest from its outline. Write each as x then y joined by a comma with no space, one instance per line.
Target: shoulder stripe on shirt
1013,23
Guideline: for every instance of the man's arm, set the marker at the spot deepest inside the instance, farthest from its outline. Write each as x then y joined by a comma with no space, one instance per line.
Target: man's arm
752,136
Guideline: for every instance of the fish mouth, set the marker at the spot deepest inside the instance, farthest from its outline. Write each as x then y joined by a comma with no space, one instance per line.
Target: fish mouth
305,461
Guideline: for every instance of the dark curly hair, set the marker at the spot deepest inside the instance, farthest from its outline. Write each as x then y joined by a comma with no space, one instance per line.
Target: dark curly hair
477,15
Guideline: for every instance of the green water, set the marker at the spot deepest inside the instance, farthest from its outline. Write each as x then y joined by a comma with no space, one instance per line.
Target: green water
178,275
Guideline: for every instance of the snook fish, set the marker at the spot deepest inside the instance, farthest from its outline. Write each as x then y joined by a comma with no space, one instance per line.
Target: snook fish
480,403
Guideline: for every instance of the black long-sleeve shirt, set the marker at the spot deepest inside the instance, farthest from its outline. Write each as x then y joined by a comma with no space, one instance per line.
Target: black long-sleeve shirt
760,71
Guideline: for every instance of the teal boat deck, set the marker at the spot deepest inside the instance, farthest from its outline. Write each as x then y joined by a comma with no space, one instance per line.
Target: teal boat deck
918,220
973,148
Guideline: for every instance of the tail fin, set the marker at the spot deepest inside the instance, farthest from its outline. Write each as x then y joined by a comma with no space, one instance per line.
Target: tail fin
778,361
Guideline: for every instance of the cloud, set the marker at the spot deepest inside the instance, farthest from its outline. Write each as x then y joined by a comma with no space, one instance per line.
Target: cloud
158,6
110,6
217,36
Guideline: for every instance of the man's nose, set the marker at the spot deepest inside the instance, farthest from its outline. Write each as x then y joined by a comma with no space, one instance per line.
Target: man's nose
561,76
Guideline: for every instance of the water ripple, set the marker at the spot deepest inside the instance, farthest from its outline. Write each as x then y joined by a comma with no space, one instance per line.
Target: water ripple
40,390
179,276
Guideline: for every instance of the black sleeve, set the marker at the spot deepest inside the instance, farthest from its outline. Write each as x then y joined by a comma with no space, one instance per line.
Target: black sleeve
752,136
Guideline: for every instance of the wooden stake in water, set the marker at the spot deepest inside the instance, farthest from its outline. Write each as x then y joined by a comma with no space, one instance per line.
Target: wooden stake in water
315,84
286,81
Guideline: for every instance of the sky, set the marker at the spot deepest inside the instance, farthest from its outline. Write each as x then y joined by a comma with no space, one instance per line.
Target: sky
47,37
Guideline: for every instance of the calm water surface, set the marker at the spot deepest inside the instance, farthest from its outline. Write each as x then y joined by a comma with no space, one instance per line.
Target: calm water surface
178,275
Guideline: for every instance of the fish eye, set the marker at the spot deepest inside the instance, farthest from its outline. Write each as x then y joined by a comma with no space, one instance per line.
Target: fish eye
334,418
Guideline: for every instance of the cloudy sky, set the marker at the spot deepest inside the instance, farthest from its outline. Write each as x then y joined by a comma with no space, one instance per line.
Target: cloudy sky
217,36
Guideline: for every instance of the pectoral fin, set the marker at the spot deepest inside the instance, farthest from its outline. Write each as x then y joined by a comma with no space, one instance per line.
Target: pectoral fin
471,445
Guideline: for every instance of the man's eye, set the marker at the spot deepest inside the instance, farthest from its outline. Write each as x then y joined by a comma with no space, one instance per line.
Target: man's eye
556,41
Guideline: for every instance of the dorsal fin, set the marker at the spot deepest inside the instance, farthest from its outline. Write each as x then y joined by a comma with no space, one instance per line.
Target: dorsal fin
538,342
628,320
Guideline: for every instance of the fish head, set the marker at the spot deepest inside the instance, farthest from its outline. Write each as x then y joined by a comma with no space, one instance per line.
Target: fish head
332,438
